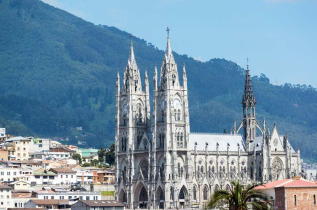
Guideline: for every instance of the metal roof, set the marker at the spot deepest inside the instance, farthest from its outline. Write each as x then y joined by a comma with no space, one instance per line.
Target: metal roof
201,139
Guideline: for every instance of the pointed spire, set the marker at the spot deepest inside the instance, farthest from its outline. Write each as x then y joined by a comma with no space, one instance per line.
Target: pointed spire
146,77
184,70
248,99
131,55
168,51
155,78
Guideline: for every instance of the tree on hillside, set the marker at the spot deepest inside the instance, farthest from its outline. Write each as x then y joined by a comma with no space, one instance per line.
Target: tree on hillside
239,197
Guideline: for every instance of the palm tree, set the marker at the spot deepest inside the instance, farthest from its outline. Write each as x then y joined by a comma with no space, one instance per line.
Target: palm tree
239,198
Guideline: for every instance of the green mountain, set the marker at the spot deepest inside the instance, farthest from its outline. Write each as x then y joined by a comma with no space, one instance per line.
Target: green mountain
58,73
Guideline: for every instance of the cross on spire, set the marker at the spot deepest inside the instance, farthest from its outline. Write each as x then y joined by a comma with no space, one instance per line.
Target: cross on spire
247,63
168,32
131,36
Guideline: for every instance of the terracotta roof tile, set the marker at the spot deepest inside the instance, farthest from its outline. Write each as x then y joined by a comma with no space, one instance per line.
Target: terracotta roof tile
62,170
286,183
49,201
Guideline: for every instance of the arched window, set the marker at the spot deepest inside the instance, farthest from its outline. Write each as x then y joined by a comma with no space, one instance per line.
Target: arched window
179,169
205,193
202,169
213,169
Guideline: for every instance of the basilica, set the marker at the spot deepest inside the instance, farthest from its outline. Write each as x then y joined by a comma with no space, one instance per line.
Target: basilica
160,164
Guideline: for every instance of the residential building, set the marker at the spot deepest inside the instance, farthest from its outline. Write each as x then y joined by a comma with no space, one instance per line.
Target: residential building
86,176
48,204
40,145
89,154
43,176
20,185
65,175
4,155
20,148
106,176
3,136
97,205
5,196
9,174
296,193
56,193
20,198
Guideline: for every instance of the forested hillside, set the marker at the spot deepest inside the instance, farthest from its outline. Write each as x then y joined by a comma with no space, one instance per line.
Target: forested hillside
58,73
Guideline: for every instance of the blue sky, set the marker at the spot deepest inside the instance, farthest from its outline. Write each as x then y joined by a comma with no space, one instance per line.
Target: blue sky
278,36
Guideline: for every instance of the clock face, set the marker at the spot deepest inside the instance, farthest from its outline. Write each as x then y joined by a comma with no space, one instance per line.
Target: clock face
125,108
275,142
177,103
163,104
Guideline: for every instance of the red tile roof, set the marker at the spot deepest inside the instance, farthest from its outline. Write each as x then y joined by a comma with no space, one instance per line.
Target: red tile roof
295,182
62,170
49,201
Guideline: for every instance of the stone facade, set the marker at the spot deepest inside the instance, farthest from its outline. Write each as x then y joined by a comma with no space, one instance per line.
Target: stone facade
161,164
299,198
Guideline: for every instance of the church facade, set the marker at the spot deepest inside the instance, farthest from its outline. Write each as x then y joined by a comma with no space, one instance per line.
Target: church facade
161,164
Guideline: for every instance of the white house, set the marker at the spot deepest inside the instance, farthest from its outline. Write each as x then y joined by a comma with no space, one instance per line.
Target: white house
5,196
98,205
56,193
43,176
65,175
9,174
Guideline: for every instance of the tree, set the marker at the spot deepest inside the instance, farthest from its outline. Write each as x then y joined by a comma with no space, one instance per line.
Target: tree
94,162
101,154
77,156
110,155
239,198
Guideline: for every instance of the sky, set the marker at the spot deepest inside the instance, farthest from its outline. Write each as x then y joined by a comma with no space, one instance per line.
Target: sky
279,37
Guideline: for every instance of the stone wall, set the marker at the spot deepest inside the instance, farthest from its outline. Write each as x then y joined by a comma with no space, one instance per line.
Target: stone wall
299,198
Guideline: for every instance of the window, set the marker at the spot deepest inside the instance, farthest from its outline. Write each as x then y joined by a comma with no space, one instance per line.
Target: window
66,176
314,199
61,197
294,200
87,198
8,173
37,176
72,176
52,197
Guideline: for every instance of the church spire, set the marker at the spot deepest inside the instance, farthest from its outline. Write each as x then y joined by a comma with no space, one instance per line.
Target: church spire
248,99
168,51
131,60
132,77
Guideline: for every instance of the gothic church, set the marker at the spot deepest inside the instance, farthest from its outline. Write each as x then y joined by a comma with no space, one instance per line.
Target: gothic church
161,164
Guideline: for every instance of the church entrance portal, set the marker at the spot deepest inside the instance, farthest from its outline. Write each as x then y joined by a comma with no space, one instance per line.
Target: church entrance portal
182,197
